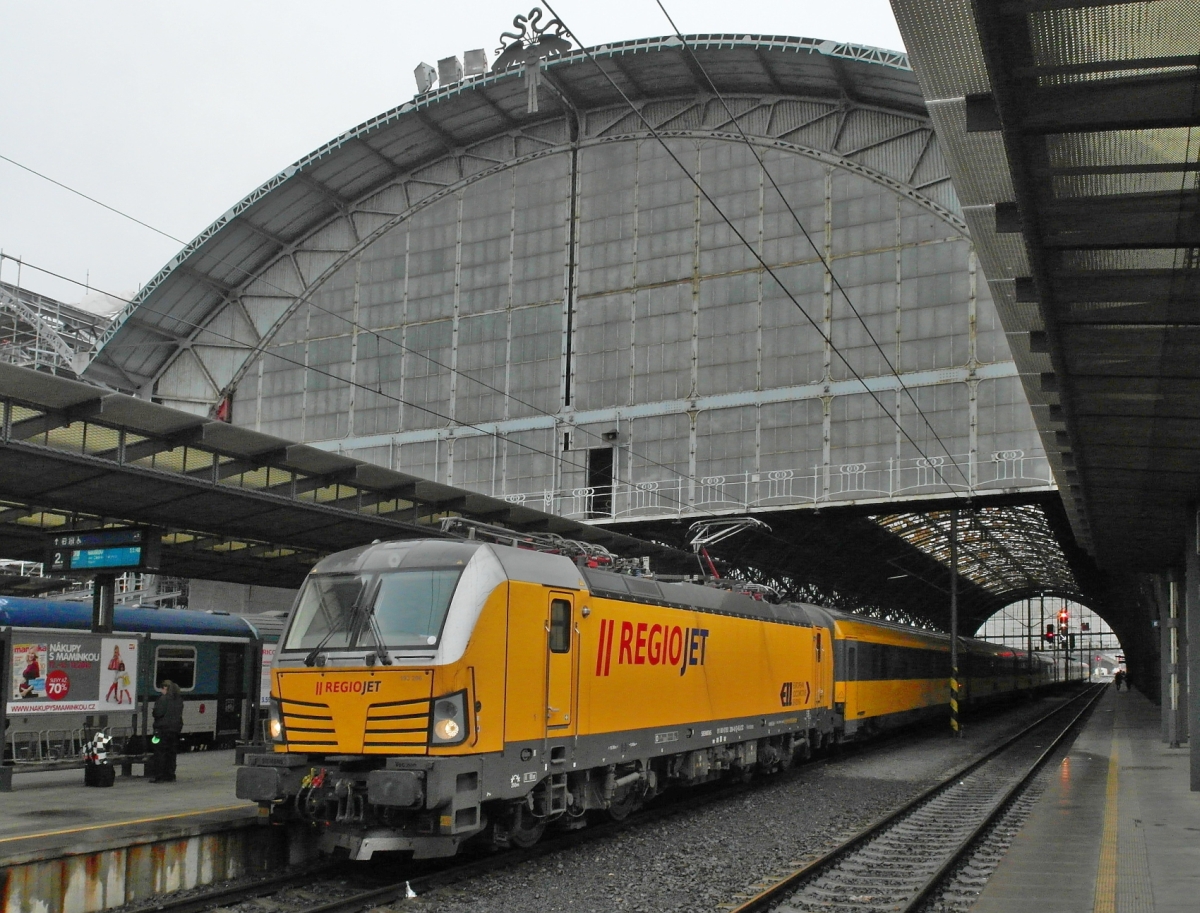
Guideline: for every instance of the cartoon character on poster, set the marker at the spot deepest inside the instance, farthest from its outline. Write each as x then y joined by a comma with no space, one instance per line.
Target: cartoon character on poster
29,671
118,659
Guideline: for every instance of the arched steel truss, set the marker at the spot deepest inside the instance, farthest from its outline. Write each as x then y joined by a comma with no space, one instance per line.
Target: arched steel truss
220,302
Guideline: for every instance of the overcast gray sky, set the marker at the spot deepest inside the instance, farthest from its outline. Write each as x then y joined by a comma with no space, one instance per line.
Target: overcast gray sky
173,111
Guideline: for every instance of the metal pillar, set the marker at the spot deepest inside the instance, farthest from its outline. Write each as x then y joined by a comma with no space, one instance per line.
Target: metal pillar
1170,663
954,623
1029,625
1042,623
1191,608
104,589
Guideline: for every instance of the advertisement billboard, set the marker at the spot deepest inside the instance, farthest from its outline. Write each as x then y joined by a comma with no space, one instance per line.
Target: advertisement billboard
264,682
80,673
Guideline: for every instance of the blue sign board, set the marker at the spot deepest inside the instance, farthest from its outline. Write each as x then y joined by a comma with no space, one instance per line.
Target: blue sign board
119,556
118,549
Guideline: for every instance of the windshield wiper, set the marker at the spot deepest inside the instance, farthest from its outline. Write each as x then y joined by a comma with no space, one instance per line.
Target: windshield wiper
314,654
381,653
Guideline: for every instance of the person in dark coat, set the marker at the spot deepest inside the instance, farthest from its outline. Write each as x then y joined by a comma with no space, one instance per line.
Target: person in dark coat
168,723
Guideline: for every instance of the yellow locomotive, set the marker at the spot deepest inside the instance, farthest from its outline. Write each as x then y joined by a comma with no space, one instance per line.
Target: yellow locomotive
428,690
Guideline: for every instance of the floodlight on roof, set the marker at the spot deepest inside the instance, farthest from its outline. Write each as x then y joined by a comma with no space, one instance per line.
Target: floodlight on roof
426,77
475,62
449,71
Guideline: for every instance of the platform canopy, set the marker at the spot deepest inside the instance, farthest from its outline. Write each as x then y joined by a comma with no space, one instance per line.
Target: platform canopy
232,504
1068,126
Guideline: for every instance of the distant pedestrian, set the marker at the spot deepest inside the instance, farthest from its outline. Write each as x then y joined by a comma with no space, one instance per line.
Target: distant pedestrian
168,723
1119,678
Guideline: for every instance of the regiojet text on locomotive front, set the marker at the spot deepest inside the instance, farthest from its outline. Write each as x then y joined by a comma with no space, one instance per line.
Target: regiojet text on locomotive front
429,692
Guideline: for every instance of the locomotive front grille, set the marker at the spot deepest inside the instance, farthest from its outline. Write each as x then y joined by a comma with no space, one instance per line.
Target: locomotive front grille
399,726
309,726
335,711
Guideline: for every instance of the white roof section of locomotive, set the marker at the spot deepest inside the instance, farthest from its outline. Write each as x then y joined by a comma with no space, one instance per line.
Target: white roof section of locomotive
485,567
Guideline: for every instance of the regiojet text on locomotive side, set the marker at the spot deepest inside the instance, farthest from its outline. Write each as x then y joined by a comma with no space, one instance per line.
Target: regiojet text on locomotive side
432,691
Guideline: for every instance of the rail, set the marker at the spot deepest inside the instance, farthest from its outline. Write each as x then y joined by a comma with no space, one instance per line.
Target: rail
900,894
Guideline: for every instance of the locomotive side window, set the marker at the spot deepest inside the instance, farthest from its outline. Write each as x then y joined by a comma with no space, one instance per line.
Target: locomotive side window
177,664
560,626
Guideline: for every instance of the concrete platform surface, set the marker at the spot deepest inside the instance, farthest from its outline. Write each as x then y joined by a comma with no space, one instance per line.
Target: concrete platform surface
52,814
1117,829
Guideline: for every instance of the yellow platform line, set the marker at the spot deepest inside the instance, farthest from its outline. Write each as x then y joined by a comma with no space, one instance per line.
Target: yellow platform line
111,824
1106,876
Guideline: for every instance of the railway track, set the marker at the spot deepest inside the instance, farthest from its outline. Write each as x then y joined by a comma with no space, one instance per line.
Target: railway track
321,890
899,862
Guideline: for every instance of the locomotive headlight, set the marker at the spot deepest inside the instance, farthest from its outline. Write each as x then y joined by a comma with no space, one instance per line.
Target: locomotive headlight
448,725
275,730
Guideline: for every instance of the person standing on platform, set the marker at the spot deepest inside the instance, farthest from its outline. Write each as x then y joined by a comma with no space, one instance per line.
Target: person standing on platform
168,723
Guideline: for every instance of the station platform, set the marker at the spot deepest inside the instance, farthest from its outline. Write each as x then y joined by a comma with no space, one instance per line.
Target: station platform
48,815
69,848
1117,829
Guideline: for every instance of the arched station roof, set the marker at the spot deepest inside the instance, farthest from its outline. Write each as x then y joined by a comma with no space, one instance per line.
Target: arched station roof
230,288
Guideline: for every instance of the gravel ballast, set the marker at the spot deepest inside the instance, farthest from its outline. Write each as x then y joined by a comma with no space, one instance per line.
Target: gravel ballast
707,855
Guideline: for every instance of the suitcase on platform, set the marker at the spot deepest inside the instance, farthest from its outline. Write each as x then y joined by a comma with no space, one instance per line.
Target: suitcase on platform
99,775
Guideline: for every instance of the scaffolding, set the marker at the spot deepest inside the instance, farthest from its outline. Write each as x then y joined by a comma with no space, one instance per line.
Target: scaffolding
46,335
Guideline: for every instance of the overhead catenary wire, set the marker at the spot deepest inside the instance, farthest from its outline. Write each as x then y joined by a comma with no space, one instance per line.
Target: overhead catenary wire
350,321
465,375
484,431
827,264
337,377
749,247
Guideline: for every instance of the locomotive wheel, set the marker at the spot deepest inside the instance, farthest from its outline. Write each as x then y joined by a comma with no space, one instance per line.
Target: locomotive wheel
525,830
622,808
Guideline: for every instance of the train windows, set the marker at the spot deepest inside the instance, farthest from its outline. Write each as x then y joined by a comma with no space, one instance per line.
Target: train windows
409,609
412,605
325,613
560,626
177,664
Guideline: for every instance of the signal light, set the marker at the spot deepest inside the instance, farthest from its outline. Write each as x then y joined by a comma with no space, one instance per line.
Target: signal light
1049,633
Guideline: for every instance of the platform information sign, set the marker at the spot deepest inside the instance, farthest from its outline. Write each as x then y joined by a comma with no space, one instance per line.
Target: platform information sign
77,673
130,549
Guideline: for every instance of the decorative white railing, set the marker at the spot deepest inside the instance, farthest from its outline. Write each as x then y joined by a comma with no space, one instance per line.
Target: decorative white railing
889,480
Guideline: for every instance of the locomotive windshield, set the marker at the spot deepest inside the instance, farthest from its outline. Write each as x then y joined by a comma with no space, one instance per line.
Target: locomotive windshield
403,608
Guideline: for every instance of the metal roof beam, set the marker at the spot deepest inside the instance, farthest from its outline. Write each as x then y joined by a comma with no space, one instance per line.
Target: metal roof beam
1139,103
1124,286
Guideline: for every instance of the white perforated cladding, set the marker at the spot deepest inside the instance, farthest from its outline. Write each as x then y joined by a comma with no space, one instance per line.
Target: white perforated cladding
949,62
1123,31
1155,258
977,161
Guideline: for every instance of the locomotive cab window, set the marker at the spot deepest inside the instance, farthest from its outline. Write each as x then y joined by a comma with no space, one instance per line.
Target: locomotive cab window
560,626
342,611
177,664
411,606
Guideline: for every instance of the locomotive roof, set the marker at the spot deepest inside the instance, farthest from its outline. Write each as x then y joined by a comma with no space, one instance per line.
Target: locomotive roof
701,598
518,563
21,612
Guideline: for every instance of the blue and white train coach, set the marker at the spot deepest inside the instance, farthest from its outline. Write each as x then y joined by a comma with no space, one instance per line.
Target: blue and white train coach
60,681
